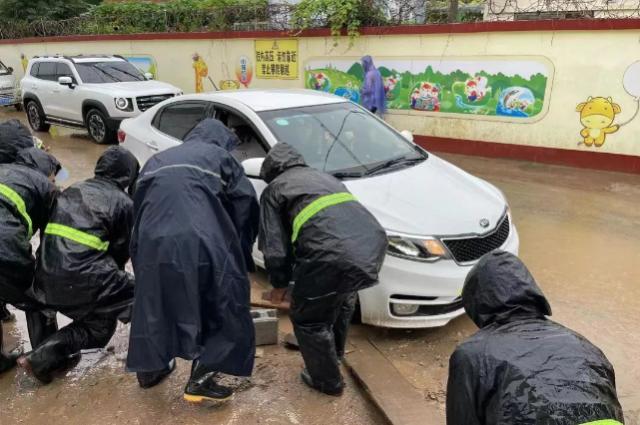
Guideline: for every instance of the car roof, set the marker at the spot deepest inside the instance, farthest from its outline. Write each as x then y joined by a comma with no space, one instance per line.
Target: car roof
270,100
81,58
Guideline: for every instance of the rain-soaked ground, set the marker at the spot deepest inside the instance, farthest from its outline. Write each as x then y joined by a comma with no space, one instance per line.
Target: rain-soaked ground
580,233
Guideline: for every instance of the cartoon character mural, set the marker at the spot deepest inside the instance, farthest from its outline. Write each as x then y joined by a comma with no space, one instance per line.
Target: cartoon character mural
349,91
476,88
391,86
426,97
597,115
515,102
320,81
244,71
201,71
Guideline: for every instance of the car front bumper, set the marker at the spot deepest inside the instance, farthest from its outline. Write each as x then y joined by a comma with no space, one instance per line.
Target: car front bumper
434,287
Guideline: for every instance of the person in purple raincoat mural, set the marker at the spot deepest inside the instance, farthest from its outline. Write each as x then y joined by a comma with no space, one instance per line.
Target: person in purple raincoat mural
372,93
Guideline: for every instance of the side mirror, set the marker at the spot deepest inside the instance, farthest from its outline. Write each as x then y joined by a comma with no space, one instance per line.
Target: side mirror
407,135
66,81
148,76
252,167
10,69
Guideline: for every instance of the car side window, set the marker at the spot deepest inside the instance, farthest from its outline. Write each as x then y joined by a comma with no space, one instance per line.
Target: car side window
251,143
34,69
47,71
63,70
178,119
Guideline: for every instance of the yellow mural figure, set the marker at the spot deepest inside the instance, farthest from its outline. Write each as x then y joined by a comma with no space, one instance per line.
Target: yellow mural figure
24,61
597,115
202,71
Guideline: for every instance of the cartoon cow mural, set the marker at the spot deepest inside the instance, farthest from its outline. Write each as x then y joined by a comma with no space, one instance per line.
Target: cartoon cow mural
597,115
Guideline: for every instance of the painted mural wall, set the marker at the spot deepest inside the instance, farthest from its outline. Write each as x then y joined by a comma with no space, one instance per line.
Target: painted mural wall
574,90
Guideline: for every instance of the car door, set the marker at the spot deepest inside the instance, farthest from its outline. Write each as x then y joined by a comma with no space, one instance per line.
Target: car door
68,103
173,122
44,85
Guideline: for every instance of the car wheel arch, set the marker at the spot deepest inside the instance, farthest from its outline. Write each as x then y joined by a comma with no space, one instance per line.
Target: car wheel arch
88,105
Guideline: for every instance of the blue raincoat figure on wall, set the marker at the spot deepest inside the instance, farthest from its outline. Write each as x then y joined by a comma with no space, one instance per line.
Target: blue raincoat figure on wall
196,221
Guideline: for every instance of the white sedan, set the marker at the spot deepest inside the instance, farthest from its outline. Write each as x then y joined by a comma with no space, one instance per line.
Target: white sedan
440,220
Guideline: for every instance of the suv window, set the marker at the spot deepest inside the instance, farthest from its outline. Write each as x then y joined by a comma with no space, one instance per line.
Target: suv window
34,69
63,70
47,71
178,119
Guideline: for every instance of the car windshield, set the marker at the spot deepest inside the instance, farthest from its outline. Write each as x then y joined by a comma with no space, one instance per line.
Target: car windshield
108,72
342,139
3,69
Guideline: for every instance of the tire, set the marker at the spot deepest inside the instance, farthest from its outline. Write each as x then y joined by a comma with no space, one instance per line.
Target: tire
98,129
36,117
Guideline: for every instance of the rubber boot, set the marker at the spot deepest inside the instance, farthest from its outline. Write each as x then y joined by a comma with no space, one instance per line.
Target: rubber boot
8,361
202,386
151,379
40,326
306,378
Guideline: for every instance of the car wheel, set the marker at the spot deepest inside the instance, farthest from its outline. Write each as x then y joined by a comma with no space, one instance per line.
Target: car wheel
36,116
98,128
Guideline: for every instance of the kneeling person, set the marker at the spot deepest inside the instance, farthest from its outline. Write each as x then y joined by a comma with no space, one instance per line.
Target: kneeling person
313,231
80,268
26,196
520,367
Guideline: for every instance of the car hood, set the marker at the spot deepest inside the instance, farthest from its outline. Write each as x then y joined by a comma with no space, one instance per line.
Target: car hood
433,198
135,88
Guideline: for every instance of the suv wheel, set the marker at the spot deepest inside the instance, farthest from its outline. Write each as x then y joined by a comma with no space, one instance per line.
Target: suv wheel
98,128
36,116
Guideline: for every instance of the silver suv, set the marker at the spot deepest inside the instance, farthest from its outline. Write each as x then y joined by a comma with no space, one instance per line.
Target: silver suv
94,92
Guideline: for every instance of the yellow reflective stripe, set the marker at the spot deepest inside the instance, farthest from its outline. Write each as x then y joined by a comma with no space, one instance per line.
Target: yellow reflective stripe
17,200
603,422
315,207
76,236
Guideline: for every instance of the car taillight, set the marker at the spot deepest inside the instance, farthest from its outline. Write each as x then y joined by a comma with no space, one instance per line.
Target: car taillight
121,136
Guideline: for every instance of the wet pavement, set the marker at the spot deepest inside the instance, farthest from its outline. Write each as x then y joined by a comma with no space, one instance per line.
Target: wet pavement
579,231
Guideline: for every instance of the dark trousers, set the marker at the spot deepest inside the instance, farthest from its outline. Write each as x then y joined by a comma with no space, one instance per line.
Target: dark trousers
85,332
321,326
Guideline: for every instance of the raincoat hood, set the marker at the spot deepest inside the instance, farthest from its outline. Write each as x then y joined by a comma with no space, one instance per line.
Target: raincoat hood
280,158
13,138
39,160
500,287
119,166
213,131
367,63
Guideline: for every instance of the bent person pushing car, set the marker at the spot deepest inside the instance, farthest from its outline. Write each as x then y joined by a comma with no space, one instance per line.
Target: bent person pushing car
313,231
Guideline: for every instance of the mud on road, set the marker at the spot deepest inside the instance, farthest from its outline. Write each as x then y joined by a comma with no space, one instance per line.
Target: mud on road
580,236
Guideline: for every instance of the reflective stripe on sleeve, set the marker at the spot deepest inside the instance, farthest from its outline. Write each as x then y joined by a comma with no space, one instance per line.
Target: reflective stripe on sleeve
603,422
77,236
316,206
13,197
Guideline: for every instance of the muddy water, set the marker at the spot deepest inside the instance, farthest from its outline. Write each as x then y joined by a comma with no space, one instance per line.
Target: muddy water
580,233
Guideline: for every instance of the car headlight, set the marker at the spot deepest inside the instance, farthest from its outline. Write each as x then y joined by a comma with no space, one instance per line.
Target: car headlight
416,249
124,104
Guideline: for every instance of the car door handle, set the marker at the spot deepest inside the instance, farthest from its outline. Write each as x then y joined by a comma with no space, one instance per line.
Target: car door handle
152,145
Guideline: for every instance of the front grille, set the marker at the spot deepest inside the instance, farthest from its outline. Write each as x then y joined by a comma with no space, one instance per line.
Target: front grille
146,102
471,249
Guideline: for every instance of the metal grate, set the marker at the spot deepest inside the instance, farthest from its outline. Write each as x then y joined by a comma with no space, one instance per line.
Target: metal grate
471,249
146,102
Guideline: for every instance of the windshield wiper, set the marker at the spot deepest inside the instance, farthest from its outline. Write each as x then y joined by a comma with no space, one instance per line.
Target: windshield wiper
390,163
347,174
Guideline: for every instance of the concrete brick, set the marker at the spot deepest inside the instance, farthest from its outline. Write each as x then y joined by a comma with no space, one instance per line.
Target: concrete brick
265,322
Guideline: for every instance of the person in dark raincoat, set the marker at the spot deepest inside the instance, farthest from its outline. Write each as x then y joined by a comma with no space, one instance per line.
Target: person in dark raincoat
81,260
196,222
314,232
27,194
13,138
372,92
520,367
